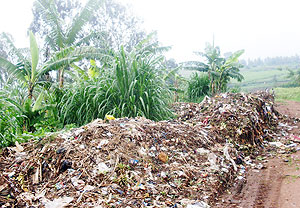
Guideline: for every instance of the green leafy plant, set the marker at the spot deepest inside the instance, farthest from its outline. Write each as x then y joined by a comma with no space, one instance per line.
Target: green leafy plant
67,38
10,125
295,76
26,70
130,84
175,82
220,70
198,87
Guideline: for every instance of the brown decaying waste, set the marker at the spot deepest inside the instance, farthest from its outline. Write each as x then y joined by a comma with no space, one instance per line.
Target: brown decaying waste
137,162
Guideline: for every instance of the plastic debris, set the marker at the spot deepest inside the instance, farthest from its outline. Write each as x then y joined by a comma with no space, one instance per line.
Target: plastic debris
212,158
276,144
103,143
202,151
59,185
65,165
291,145
133,161
228,157
109,117
59,203
102,168
198,205
19,148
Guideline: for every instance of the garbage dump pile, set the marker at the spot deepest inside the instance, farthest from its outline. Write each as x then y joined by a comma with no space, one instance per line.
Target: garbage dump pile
136,162
236,117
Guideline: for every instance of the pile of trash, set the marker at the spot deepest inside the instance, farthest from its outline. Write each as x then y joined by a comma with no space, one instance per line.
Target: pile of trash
238,118
136,162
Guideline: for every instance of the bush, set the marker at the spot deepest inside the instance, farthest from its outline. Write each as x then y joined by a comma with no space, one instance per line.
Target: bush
198,87
132,86
235,89
11,119
10,125
289,84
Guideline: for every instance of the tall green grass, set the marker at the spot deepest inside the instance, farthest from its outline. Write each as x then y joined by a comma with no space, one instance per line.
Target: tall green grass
11,120
198,87
132,86
10,125
292,93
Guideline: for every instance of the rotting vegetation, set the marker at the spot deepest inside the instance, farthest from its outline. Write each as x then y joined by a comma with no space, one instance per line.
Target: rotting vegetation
136,162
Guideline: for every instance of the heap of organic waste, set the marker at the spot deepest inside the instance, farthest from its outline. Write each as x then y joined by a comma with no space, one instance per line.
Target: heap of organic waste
136,162
236,117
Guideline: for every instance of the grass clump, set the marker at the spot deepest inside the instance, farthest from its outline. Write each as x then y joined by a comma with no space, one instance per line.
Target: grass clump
292,93
131,85
198,87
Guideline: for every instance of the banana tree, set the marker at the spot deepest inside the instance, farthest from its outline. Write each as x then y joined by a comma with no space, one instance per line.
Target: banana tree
61,37
30,72
229,69
27,70
29,112
220,70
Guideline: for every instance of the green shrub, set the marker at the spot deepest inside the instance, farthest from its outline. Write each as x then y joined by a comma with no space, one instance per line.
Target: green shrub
235,89
22,118
198,87
11,119
131,86
10,125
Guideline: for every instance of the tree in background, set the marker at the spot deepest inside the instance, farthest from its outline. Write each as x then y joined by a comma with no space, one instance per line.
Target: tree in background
110,26
3,53
119,24
282,61
220,70
61,35
295,76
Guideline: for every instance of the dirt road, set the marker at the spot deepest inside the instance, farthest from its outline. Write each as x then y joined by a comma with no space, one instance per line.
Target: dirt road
275,186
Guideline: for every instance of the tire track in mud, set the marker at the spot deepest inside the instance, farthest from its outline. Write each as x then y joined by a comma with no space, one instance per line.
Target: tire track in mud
261,188
269,188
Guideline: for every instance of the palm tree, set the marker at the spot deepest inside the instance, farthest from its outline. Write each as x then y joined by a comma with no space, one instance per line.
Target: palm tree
219,69
30,72
67,38
25,70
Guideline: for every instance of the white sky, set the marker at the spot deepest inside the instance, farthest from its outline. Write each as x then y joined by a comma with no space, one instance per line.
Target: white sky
261,27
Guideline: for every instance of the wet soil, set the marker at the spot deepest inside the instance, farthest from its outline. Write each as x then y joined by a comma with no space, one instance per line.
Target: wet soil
275,186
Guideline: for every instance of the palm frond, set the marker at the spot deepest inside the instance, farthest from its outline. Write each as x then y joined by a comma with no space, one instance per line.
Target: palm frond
82,19
55,38
13,48
91,36
34,50
195,65
12,69
89,52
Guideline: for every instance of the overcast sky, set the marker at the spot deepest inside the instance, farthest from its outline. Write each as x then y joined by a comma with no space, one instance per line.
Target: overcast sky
261,27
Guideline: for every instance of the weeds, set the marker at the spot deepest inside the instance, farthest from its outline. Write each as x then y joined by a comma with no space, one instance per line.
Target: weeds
198,87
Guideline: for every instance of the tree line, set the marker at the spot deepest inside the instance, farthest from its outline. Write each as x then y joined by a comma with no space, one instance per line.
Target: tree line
271,61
